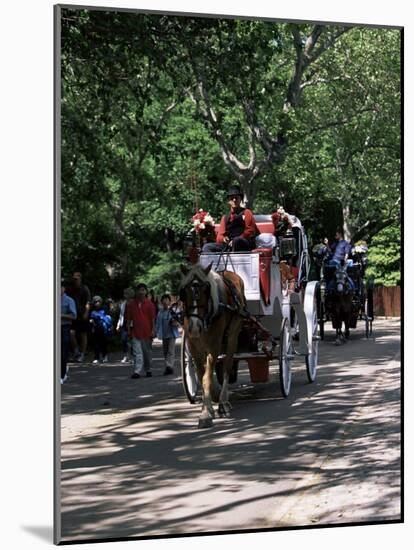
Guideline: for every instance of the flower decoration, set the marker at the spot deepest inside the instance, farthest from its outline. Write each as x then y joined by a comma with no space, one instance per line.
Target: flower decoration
281,221
202,221
361,247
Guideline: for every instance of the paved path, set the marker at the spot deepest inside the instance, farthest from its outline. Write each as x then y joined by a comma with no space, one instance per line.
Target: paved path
135,464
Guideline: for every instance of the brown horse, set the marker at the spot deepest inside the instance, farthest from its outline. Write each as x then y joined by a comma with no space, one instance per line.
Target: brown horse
213,303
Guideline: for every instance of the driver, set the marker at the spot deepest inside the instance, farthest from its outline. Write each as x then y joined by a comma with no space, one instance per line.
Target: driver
340,250
238,229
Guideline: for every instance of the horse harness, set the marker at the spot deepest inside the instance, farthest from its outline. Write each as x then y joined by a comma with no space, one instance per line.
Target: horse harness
196,287
236,307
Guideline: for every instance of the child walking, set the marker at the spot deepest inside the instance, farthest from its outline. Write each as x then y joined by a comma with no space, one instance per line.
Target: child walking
167,331
101,330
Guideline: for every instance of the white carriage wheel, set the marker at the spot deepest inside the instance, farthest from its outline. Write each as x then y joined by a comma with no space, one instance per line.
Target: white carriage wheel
368,318
285,353
311,313
188,372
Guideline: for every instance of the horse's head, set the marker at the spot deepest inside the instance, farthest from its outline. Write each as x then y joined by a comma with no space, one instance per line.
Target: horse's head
341,281
195,293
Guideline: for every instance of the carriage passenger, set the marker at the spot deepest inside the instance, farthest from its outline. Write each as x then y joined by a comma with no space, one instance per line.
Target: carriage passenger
281,222
238,229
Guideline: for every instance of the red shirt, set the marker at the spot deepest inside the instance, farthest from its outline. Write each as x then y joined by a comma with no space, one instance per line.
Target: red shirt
142,315
250,229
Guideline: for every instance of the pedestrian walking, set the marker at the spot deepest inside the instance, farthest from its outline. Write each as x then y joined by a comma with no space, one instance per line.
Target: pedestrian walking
167,331
79,334
67,316
140,316
101,330
122,328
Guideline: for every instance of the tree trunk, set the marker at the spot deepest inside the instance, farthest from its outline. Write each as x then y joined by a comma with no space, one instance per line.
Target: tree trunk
346,212
249,188
169,239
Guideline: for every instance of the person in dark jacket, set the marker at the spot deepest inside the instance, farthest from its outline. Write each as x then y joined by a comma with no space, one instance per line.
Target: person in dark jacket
79,334
237,229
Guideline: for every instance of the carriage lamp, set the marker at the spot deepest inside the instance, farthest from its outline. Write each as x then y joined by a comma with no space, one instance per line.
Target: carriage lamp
189,240
288,245
190,251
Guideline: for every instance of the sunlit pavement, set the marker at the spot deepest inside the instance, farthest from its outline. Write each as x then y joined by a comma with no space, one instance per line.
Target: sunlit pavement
135,464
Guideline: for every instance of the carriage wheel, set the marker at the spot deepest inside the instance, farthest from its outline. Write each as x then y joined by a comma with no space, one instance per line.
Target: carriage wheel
370,300
369,314
321,314
311,312
285,357
188,372
366,327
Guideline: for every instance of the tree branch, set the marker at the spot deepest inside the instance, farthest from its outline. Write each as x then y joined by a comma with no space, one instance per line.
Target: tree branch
371,227
306,54
327,44
341,122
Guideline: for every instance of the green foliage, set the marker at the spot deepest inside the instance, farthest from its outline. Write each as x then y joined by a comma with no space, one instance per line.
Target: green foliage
141,151
385,257
164,275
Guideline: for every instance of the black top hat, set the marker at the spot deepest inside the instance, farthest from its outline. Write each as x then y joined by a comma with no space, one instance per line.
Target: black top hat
235,190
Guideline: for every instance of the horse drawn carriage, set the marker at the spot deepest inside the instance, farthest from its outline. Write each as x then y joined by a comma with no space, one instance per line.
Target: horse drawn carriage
278,321
346,295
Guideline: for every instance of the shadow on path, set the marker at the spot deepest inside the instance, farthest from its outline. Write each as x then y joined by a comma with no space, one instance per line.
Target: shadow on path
134,463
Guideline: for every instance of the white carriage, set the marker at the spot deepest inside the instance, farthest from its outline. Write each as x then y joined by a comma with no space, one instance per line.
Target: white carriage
282,320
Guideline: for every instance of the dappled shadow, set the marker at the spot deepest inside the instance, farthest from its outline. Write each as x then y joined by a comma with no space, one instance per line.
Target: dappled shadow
144,468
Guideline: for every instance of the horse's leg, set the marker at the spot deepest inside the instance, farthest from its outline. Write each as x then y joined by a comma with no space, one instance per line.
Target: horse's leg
347,331
231,348
338,339
342,318
224,407
336,322
207,412
348,316
199,358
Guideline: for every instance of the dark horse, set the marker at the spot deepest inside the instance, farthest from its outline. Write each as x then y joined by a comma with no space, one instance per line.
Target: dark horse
339,302
213,303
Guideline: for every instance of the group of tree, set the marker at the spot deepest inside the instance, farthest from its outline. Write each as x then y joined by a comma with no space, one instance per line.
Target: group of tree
161,113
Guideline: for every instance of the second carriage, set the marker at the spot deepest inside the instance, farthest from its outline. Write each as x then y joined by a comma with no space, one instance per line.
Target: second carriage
334,285
281,319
